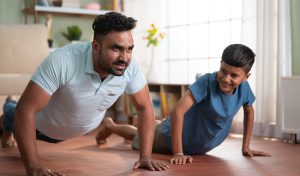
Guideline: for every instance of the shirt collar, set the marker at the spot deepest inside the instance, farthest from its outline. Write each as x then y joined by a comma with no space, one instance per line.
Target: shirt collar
89,64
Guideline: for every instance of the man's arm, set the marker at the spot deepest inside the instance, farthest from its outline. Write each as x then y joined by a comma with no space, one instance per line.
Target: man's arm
177,115
146,119
32,100
248,126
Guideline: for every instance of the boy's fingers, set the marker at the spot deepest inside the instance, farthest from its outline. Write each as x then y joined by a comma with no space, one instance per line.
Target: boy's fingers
249,153
259,153
184,160
190,159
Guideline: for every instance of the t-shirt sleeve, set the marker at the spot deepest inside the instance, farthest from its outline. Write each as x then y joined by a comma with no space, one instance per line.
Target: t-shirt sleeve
249,97
199,89
49,75
136,78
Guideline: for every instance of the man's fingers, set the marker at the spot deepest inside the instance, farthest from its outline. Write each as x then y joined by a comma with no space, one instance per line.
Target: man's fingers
59,173
150,166
156,167
136,165
163,166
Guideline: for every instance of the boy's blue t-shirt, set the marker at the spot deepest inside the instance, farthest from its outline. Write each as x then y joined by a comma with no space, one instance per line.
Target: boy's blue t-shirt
208,121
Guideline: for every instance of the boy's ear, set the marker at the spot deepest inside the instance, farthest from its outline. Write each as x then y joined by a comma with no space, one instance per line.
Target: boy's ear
247,76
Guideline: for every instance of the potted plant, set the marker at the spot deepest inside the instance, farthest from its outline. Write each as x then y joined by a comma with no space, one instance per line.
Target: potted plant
73,33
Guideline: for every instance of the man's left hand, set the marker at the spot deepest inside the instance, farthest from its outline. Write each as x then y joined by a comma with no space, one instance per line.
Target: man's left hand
150,164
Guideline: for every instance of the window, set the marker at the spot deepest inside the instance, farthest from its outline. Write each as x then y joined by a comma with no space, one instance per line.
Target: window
197,33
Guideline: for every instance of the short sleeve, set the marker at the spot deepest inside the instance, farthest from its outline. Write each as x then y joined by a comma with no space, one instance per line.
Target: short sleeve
136,78
49,75
249,97
200,88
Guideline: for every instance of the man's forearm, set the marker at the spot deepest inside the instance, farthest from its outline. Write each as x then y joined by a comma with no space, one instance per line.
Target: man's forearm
146,132
26,138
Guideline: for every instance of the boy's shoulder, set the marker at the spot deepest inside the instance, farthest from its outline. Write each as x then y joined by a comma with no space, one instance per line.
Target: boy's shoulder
208,76
207,79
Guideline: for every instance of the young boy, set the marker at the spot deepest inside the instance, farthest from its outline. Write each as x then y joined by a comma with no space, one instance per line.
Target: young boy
6,121
202,118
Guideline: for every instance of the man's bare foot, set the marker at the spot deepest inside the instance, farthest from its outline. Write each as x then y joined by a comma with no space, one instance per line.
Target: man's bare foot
8,140
104,130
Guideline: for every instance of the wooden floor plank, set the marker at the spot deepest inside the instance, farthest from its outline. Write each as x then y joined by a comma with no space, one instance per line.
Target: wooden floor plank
81,157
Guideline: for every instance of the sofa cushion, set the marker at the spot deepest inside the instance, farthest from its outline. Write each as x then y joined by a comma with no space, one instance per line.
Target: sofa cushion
22,48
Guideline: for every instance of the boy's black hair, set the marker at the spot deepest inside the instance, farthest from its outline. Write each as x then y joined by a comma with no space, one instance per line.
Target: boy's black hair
112,21
239,55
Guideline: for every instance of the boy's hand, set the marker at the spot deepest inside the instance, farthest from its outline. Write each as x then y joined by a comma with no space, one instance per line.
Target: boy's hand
249,152
150,164
181,159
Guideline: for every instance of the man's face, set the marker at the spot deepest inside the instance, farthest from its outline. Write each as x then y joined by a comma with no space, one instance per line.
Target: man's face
112,53
230,77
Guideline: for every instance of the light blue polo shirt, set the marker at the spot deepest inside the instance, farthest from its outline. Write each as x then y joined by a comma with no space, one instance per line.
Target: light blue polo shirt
207,123
79,98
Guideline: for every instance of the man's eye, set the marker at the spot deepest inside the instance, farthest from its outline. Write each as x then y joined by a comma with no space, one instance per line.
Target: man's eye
116,49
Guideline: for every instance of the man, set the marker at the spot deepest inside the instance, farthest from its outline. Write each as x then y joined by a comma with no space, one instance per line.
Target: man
71,90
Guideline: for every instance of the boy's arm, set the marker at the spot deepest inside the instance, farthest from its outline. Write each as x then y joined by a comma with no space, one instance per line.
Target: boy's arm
248,126
143,105
177,115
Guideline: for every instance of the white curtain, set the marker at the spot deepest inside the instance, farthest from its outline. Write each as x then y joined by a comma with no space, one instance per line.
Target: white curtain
259,32
284,67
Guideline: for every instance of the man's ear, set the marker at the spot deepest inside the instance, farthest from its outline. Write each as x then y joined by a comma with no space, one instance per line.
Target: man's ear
95,44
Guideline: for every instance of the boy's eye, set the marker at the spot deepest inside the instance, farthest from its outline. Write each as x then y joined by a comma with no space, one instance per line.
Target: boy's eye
234,76
223,70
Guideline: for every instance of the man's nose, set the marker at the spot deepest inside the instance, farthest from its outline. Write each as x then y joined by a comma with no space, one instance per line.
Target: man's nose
124,56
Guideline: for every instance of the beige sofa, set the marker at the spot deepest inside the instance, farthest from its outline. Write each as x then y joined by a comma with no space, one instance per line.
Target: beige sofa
22,49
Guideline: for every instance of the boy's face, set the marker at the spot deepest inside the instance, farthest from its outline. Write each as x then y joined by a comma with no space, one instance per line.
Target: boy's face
230,77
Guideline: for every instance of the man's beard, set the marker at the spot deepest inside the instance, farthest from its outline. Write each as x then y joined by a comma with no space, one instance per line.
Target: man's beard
113,71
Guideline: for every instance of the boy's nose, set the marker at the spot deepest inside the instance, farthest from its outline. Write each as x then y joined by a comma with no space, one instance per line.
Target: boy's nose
226,79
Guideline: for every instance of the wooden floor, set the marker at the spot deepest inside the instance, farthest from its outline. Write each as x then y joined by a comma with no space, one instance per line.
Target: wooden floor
81,157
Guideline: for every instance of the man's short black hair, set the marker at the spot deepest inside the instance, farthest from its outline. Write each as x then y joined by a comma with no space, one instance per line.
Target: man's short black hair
112,21
239,55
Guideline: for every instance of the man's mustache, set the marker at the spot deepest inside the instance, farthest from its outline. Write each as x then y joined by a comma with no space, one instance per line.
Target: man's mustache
121,62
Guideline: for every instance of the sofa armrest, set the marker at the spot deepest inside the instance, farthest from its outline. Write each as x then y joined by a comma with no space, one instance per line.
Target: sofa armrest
13,84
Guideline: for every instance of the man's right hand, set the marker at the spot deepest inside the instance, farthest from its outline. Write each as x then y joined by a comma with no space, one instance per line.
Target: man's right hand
41,171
